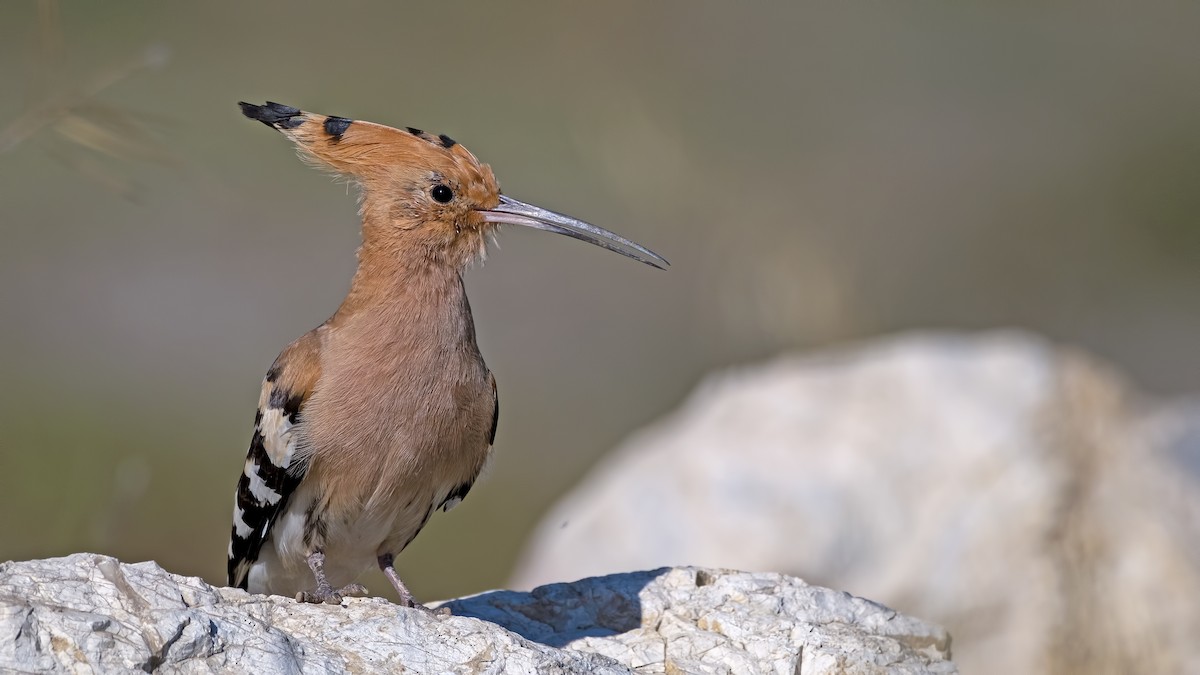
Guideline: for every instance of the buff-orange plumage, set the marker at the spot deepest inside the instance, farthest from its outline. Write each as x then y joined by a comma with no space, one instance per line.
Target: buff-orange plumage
386,412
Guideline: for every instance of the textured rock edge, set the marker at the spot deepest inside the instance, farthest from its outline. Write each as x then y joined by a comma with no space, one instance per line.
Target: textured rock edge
89,609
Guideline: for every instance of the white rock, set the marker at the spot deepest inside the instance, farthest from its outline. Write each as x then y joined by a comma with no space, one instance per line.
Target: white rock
91,614
1017,493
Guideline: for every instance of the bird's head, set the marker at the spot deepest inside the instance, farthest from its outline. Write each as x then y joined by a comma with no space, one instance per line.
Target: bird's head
424,194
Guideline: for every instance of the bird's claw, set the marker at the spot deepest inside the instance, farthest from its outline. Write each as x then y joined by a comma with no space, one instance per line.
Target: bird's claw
326,594
407,600
432,611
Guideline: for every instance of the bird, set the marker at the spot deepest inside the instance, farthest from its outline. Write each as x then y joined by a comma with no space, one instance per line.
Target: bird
386,412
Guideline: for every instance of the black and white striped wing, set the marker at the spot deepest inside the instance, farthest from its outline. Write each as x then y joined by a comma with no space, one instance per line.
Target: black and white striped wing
273,468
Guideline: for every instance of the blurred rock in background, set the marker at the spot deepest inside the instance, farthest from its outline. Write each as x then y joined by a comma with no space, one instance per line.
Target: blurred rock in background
1021,494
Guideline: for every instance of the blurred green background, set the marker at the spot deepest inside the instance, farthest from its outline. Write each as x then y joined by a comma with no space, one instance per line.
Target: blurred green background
816,172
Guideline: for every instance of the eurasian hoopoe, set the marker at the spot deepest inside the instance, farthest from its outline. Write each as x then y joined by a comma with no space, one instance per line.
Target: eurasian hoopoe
386,412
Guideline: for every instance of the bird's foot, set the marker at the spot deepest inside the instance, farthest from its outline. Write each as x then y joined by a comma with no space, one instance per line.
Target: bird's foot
407,600
386,564
432,611
328,595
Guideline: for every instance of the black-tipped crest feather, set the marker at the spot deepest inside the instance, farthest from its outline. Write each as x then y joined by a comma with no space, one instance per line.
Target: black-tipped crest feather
274,115
336,126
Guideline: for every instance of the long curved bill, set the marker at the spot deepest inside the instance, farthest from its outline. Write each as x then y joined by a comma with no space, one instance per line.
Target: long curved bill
513,212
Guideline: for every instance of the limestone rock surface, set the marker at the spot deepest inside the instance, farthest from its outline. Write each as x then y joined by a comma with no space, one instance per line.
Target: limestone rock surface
1019,493
92,614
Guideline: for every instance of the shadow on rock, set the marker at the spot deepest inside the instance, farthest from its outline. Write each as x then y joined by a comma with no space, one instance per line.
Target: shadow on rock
556,614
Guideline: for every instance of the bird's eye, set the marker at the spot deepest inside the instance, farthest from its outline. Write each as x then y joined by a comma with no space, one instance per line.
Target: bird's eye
442,194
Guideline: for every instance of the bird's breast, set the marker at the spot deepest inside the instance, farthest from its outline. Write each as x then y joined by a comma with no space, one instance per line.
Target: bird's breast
399,411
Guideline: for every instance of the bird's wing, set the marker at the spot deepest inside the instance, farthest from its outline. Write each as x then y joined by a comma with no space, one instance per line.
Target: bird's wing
273,467
455,496
495,410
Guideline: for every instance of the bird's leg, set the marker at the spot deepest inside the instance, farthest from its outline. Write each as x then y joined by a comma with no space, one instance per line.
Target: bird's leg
387,565
324,592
